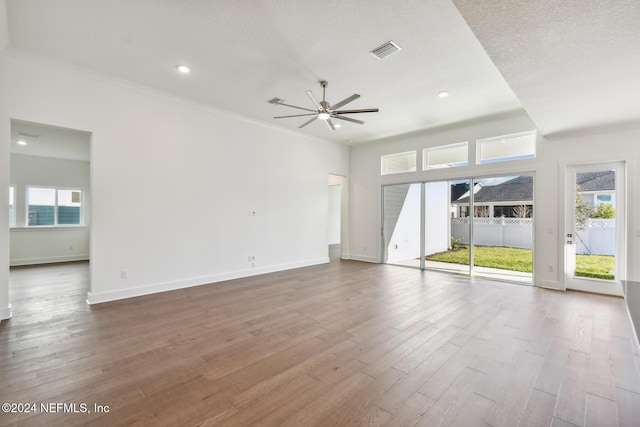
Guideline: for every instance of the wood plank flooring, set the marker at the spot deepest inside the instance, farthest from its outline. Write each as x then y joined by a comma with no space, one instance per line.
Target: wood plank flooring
342,344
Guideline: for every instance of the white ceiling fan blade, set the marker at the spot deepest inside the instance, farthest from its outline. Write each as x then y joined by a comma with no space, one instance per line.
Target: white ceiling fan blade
364,110
314,100
349,119
330,124
293,106
306,123
345,101
296,115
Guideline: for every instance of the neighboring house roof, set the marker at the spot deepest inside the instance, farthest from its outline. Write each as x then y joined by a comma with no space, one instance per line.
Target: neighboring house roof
459,190
596,181
519,189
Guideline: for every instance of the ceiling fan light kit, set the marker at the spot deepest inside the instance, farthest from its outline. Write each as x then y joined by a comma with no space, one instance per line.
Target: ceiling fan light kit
323,110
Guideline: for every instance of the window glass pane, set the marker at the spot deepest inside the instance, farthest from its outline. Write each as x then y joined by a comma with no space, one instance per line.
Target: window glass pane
69,205
507,147
12,196
398,163
446,156
41,206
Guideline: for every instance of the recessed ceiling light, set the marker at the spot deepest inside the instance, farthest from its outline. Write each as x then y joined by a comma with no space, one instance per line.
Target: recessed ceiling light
443,94
337,125
183,69
22,142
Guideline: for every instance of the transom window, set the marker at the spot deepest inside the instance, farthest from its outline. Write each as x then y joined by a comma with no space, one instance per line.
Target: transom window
398,163
507,147
446,156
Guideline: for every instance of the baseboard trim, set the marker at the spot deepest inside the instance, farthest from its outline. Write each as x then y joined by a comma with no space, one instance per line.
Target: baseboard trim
97,298
48,260
5,313
361,258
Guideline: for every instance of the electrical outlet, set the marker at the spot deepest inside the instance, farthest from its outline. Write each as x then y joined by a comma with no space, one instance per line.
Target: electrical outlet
124,274
550,268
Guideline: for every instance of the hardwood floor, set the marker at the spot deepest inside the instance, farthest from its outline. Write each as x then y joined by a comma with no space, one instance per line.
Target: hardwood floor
342,344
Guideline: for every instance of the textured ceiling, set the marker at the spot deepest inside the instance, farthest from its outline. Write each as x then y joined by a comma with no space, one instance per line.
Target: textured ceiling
243,53
571,64
574,64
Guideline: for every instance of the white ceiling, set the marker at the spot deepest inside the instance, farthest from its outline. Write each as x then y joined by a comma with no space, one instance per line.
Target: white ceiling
49,141
567,63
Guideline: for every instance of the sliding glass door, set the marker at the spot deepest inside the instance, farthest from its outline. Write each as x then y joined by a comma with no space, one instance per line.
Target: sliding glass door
482,227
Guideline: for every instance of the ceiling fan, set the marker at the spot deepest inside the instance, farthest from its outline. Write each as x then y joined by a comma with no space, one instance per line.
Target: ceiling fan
325,111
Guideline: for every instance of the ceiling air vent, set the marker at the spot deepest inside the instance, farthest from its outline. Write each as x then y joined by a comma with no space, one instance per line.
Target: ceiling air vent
385,50
275,100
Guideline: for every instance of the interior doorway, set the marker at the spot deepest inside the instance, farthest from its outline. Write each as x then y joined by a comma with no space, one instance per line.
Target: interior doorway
594,227
50,198
334,217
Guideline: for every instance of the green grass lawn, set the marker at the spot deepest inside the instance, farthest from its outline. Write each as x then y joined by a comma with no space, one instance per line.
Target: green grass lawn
596,266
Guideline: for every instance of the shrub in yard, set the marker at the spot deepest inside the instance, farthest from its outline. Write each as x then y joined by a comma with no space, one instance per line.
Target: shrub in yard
606,211
456,243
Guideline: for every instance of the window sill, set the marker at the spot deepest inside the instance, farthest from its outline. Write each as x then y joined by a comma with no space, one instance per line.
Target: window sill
49,228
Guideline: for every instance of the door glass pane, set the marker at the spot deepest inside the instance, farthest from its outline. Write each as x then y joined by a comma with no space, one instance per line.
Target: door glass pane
401,224
447,226
595,224
503,228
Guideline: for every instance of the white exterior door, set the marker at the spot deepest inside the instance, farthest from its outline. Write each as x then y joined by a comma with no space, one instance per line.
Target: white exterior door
594,248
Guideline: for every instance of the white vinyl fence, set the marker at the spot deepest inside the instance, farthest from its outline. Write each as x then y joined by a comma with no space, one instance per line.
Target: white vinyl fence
598,237
510,232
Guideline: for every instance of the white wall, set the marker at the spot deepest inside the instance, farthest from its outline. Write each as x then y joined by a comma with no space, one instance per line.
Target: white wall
174,182
4,27
42,245
548,166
